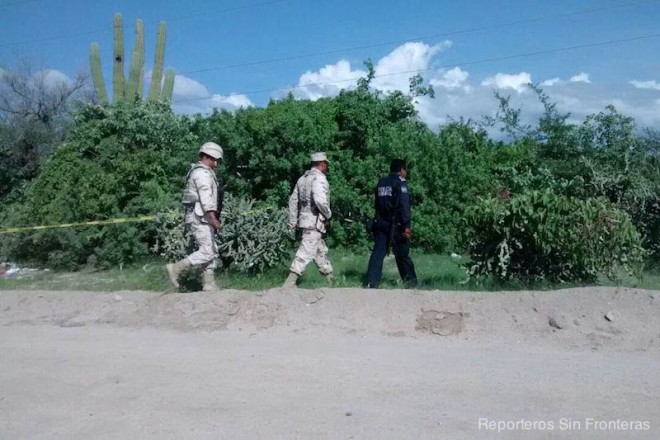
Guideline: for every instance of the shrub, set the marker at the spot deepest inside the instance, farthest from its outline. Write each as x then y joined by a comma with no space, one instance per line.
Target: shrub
119,161
539,235
253,237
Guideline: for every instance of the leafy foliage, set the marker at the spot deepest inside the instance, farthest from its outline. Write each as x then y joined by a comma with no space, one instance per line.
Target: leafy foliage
539,235
564,179
120,161
253,236
35,116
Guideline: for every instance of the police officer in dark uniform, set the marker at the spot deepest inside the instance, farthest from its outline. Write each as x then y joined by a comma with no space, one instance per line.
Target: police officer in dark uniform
392,226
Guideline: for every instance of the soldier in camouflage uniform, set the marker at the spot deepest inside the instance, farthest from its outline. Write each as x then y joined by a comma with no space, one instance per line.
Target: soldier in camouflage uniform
309,211
202,219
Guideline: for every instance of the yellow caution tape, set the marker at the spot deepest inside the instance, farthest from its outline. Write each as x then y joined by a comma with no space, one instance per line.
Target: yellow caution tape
144,218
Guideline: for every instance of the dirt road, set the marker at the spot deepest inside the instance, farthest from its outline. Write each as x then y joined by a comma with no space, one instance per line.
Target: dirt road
330,364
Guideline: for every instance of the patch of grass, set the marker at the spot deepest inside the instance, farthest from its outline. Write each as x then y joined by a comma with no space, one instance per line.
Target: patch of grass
435,272
149,275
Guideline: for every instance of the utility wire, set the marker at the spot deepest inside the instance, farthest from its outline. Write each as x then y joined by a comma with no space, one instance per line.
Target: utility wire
17,3
97,31
425,37
182,17
465,63
235,8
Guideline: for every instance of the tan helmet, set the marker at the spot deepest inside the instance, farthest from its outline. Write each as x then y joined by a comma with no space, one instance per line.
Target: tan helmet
318,157
212,149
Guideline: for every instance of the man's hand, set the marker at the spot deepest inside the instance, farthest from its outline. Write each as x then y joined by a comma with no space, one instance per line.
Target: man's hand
213,220
407,233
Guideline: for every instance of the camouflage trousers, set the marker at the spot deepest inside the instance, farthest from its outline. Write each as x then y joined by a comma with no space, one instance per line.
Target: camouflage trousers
313,247
207,250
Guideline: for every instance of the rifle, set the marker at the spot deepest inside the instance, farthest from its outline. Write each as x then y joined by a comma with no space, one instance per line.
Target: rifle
221,197
221,204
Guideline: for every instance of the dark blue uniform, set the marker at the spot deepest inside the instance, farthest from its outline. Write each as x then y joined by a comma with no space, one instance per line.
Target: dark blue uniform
392,204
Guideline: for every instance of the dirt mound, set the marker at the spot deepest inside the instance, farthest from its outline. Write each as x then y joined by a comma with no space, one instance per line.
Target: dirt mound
591,318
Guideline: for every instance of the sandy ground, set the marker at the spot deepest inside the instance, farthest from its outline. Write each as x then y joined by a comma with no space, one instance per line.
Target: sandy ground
330,364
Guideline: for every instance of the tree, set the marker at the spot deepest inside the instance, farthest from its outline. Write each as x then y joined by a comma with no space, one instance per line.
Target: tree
35,115
124,160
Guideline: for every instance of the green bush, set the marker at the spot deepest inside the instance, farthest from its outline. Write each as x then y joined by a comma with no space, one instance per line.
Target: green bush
362,131
253,236
539,235
119,161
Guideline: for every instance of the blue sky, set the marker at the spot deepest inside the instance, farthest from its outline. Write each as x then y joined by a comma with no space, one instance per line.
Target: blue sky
586,54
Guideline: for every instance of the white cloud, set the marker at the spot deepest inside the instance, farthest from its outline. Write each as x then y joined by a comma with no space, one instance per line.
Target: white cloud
455,78
394,70
651,85
328,81
53,78
458,95
188,88
191,96
231,102
550,82
581,77
517,82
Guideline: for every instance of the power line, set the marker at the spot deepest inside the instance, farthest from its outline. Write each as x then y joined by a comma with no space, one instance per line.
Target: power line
235,8
17,3
425,37
415,71
97,31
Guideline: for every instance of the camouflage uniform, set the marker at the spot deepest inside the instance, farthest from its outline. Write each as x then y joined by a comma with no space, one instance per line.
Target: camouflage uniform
309,209
202,219
199,197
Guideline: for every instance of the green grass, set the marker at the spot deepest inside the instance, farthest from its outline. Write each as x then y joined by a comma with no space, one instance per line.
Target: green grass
435,272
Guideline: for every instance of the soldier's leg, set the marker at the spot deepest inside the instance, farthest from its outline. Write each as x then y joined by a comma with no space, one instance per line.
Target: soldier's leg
401,248
206,254
174,270
375,269
306,252
321,257
207,250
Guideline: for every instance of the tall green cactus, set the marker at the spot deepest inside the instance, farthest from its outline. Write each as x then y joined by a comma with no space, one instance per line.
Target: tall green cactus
159,57
118,64
97,73
168,86
132,89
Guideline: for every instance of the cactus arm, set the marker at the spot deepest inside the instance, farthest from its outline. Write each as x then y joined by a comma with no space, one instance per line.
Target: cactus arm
159,57
137,63
97,73
118,63
168,86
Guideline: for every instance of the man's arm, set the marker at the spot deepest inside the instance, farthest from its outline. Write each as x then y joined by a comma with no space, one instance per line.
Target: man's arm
293,207
404,210
209,201
321,196
213,220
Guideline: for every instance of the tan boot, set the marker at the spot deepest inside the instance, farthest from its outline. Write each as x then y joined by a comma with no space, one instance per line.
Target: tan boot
175,269
208,277
330,278
291,280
